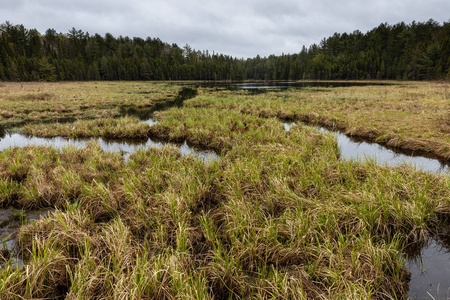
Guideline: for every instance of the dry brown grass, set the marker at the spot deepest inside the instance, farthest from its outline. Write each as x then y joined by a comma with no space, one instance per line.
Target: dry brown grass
279,217
32,102
412,116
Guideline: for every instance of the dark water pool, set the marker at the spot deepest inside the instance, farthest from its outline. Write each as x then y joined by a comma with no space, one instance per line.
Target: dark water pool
430,271
10,221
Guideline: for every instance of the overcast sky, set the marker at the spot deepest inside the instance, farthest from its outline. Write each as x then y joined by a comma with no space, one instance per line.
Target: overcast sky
241,28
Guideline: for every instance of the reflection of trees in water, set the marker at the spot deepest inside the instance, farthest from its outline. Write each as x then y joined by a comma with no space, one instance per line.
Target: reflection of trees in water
2,132
425,263
439,243
443,234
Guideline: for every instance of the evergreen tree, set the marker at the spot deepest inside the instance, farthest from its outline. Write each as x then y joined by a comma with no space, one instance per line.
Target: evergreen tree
14,74
46,70
400,51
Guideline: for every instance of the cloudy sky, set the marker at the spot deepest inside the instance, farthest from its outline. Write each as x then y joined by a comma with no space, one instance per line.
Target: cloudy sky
241,28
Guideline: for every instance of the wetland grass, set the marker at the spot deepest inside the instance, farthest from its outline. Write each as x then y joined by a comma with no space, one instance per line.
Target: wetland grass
114,128
25,103
409,116
280,216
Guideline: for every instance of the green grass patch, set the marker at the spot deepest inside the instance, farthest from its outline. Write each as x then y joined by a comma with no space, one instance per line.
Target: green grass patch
280,216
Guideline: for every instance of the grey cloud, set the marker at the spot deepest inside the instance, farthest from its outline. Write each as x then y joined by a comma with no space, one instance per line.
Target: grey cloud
242,28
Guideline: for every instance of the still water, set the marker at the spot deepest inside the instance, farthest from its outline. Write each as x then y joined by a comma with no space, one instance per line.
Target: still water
125,147
10,222
360,151
430,271
262,86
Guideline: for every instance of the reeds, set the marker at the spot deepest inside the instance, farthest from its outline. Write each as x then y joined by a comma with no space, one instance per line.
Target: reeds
280,216
410,116
114,128
27,103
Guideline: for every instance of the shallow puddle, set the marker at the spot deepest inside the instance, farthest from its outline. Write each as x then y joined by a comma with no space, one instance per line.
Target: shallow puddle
359,151
150,121
430,272
125,147
10,222
288,126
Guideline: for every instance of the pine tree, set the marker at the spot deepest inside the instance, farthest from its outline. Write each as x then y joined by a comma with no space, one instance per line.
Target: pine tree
46,70
2,73
93,72
14,74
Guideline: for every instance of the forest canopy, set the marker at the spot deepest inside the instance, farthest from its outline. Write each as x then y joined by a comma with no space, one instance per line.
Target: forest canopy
418,51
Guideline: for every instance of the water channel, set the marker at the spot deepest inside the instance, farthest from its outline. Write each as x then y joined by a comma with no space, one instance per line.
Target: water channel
352,149
125,147
430,267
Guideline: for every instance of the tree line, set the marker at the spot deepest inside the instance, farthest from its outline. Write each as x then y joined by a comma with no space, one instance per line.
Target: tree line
416,51
27,55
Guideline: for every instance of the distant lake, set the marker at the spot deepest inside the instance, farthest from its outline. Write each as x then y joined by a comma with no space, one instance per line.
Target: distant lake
262,86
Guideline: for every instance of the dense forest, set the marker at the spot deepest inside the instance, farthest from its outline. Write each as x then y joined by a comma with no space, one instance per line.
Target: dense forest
414,51
28,55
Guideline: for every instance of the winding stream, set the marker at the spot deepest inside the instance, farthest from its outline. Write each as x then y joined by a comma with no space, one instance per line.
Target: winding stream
125,147
360,151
